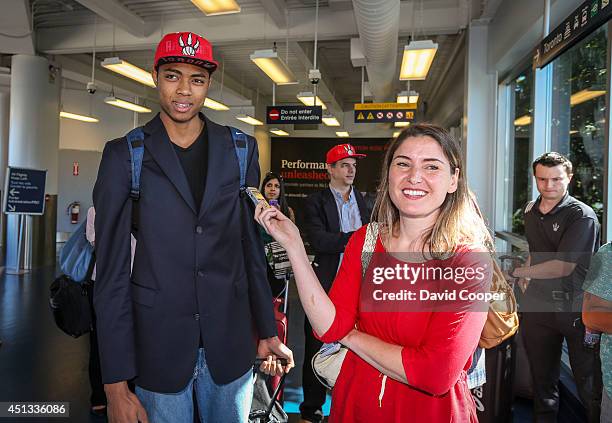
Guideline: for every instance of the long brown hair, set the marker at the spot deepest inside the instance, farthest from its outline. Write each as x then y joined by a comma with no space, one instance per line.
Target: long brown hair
459,221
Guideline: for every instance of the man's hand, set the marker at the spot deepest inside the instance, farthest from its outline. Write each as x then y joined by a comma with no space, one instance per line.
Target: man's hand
272,349
523,283
123,405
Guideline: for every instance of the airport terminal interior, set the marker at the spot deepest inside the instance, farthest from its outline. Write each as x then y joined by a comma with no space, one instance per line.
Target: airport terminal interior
509,79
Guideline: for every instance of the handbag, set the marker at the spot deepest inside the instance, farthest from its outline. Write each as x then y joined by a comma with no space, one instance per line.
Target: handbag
327,362
71,307
76,255
502,317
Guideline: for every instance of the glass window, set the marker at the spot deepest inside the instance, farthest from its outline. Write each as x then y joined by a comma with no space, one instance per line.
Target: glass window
579,115
521,141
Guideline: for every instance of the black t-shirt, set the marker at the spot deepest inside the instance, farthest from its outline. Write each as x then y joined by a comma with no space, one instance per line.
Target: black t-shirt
194,160
569,232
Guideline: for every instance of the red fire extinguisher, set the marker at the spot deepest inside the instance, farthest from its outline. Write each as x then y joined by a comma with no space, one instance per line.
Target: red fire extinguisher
73,210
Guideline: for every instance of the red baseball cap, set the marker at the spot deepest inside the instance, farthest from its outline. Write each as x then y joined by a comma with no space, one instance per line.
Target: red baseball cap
342,151
185,47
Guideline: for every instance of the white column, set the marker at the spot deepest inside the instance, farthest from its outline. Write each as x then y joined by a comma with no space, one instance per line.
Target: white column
4,142
479,120
264,144
34,129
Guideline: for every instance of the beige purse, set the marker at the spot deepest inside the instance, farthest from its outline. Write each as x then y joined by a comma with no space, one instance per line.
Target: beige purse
327,362
502,318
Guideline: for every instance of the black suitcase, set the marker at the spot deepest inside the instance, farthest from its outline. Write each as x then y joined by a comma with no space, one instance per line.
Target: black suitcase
494,399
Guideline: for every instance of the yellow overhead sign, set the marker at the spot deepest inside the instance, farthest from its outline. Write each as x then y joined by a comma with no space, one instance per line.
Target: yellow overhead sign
385,106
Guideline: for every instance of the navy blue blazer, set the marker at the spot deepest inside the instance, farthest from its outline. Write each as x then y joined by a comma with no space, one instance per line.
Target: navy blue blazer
190,277
322,225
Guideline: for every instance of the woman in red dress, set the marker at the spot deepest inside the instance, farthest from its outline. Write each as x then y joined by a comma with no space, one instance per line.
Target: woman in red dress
402,365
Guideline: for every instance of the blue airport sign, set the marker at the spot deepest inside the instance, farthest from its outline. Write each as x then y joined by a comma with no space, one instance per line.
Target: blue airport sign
24,191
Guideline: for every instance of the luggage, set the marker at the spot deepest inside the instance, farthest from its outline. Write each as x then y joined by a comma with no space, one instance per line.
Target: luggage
494,399
69,301
280,315
265,408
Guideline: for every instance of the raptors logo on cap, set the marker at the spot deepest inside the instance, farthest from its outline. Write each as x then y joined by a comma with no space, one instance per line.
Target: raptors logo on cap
188,48
349,149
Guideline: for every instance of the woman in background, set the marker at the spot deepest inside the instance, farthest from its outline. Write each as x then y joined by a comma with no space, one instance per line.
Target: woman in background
273,190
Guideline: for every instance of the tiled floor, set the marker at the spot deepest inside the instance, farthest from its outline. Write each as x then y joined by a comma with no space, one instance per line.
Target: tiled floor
40,363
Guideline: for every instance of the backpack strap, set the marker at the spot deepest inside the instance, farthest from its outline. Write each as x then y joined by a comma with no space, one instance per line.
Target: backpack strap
135,141
369,245
241,146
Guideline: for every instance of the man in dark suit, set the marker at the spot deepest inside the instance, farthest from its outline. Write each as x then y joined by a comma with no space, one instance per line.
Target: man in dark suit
197,307
331,217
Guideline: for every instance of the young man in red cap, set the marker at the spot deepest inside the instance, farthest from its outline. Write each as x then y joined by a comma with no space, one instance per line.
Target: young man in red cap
188,318
331,217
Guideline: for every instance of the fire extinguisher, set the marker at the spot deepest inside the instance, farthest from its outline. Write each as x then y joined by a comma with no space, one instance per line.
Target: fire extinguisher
73,210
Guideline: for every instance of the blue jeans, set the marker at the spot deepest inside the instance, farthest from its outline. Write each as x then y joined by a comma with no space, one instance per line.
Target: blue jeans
228,403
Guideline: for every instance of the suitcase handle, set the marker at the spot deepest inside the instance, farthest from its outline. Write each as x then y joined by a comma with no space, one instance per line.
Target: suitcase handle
258,361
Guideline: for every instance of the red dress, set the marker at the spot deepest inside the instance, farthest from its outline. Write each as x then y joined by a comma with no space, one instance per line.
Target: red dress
437,352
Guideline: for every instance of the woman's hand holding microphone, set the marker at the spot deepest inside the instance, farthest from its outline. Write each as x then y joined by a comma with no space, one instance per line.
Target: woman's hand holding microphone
279,226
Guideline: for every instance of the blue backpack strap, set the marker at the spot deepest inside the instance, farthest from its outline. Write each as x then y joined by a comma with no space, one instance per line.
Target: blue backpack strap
135,140
241,146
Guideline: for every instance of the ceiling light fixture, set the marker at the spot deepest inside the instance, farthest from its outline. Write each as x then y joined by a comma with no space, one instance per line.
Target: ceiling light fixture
249,120
330,121
81,118
342,134
124,104
401,124
214,104
585,95
522,121
308,99
129,70
396,134
217,7
279,132
418,57
406,97
273,66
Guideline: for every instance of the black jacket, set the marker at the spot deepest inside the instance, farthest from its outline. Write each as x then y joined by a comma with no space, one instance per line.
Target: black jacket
189,278
322,224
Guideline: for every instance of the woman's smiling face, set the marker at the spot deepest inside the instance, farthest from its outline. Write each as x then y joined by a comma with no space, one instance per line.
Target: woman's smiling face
420,177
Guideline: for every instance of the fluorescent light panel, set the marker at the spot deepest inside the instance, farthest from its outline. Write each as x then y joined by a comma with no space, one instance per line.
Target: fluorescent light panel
396,134
402,124
128,70
214,104
249,120
406,97
342,134
76,116
308,99
124,104
217,7
279,132
585,95
269,62
418,57
330,121
522,121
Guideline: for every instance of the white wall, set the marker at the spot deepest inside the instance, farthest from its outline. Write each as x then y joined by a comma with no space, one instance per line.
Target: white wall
114,122
516,30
